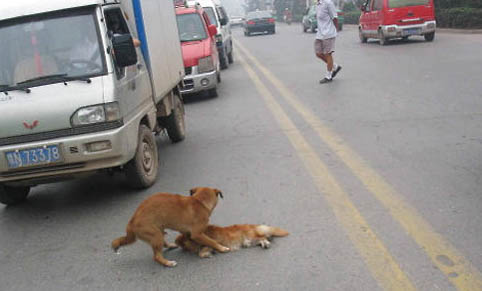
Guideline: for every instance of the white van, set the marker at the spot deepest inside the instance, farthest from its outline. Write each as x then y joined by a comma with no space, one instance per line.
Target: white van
77,97
218,16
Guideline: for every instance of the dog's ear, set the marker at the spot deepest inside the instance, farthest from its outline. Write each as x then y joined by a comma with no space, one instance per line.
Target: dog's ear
219,193
193,190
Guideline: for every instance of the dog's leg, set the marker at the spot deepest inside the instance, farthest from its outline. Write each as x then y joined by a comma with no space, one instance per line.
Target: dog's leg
205,240
155,238
264,243
123,240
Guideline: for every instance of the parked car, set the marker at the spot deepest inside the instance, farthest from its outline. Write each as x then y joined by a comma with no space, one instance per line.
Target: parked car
219,17
389,19
259,21
309,19
81,97
200,55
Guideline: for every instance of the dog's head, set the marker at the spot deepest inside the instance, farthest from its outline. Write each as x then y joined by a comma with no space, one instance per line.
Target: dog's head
207,196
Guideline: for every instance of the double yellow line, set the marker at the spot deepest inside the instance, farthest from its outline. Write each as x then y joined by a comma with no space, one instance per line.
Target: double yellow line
382,265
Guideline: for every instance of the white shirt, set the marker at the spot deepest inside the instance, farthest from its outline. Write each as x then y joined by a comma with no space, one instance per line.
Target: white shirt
325,13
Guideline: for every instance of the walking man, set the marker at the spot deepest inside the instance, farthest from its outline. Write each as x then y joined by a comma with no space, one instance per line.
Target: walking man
326,17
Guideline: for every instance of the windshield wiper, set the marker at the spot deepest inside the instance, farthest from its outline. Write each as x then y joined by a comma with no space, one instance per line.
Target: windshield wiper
44,78
77,78
5,88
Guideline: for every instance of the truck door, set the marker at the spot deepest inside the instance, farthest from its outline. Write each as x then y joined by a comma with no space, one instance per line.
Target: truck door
377,14
132,87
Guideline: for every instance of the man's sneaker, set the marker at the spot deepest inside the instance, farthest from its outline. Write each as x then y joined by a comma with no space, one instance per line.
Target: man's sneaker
338,68
325,80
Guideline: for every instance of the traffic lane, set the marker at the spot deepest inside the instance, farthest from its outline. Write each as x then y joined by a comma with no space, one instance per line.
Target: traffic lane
60,239
370,107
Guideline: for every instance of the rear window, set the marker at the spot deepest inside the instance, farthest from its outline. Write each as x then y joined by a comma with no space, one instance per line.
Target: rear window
258,14
212,16
404,3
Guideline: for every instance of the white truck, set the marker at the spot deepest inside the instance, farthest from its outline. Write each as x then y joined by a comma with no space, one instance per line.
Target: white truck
84,86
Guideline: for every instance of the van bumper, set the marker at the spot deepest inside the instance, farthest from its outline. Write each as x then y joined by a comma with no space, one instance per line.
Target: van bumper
78,154
394,31
199,82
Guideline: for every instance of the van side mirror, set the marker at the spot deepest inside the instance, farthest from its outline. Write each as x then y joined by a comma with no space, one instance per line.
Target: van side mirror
124,51
213,30
223,21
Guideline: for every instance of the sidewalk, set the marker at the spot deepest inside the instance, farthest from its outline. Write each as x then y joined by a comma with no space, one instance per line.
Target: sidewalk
454,30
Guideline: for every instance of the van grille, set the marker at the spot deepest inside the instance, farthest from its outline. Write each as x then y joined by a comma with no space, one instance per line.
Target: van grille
60,133
188,84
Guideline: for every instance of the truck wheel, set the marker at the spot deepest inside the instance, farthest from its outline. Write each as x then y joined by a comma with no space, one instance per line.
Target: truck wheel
381,38
212,92
429,36
175,126
230,57
223,59
13,195
363,39
142,170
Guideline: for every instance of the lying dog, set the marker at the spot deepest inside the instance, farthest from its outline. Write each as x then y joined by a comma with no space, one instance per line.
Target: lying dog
234,237
188,215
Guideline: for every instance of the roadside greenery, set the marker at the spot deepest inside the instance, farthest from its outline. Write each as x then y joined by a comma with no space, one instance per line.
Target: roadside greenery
449,13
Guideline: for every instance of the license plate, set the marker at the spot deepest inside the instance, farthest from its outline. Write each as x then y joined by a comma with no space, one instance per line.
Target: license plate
411,31
33,157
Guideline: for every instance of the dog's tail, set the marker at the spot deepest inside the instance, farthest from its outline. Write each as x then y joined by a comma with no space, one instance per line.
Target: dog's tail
124,240
271,231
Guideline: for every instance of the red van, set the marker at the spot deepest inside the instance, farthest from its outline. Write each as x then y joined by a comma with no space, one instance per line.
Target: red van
388,19
199,51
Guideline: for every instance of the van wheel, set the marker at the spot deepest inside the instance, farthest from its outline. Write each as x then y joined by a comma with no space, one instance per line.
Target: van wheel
223,59
142,170
363,39
175,125
429,36
230,56
381,38
13,195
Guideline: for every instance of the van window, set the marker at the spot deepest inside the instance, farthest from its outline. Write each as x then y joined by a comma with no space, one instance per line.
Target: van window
116,24
191,27
65,43
404,3
378,5
212,16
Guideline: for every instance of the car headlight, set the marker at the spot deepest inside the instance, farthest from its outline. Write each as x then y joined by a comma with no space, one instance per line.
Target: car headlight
96,114
206,65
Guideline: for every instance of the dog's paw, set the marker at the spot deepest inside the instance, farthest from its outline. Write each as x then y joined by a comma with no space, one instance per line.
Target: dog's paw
224,250
205,255
170,264
265,244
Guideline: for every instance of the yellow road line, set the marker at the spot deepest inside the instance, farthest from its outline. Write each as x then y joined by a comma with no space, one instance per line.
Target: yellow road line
461,273
376,256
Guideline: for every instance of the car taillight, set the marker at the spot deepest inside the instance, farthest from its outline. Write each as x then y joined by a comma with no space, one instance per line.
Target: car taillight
271,20
251,22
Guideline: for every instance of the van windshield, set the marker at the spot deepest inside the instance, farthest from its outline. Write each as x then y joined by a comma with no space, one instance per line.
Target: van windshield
191,27
404,3
55,44
212,16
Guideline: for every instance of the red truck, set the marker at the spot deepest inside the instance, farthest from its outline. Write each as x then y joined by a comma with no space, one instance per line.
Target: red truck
389,19
200,54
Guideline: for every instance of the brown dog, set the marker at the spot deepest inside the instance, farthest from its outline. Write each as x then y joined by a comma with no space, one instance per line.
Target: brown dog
234,237
188,215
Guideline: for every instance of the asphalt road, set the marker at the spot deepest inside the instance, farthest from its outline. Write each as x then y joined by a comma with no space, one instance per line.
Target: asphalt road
376,175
